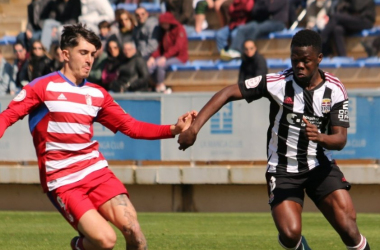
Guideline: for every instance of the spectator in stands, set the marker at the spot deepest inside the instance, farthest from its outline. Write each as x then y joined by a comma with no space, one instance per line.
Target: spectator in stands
147,33
221,9
133,72
57,57
200,9
171,50
293,10
100,59
104,31
114,58
317,14
7,84
239,12
268,16
125,26
34,25
20,66
39,62
55,15
93,11
253,64
183,12
351,16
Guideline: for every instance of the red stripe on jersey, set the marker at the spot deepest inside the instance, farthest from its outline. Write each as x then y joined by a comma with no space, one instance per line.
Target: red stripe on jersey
59,155
74,97
73,168
68,138
71,118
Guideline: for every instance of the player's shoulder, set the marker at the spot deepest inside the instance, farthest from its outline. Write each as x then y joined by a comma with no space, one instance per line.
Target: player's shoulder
44,80
97,88
279,76
335,84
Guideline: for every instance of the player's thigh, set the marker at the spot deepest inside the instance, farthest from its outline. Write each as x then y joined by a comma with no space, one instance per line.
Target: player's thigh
287,218
120,212
95,228
338,209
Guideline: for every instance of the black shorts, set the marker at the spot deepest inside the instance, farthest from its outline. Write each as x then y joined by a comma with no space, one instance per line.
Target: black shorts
318,183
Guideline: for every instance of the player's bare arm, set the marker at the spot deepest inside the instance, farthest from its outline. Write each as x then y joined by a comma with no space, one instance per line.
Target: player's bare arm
228,94
184,122
334,141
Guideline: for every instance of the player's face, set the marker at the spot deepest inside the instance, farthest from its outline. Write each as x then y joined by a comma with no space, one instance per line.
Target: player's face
305,63
80,58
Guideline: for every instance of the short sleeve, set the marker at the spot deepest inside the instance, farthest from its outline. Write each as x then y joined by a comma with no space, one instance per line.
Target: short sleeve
339,114
253,88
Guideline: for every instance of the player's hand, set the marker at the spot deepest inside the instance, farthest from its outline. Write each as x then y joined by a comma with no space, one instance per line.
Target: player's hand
184,122
312,132
187,139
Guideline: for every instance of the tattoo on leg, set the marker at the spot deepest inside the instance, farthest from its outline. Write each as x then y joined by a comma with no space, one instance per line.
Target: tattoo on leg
121,200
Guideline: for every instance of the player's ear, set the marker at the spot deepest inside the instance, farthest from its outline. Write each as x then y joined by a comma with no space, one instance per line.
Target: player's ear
65,55
320,57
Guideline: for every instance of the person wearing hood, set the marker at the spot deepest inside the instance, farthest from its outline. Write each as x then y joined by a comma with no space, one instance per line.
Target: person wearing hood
133,72
253,64
171,50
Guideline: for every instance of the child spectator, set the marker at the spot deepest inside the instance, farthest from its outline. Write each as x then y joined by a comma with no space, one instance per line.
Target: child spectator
104,31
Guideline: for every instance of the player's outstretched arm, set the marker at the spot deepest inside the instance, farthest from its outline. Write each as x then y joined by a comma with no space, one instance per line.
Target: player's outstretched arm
230,93
184,122
334,141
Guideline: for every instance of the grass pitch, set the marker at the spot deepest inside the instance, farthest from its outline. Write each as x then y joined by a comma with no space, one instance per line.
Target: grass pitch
182,231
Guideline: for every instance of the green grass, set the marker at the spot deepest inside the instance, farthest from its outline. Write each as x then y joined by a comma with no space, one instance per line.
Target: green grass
49,231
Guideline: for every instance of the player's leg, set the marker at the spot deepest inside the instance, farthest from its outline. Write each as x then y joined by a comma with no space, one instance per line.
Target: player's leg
339,210
329,190
286,198
97,232
120,212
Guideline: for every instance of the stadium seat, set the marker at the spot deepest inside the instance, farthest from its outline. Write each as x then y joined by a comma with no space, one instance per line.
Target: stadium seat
151,7
131,7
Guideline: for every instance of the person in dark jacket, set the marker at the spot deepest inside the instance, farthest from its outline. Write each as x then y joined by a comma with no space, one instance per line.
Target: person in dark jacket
171,50
253,64
39,62
267,16
20,66
351,16
111,66
133,72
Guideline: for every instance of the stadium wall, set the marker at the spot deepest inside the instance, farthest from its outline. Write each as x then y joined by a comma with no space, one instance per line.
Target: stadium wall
236,133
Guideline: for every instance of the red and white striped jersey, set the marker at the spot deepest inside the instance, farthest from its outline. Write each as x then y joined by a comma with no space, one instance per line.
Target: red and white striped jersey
289,149
61,117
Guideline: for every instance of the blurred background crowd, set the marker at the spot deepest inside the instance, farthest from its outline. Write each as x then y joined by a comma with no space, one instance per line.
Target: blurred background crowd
140,46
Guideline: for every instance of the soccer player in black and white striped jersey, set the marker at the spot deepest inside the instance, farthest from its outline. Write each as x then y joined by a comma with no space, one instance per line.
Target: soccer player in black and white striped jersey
308,118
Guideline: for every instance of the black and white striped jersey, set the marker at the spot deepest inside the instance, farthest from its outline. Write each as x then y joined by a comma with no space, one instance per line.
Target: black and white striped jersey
289,150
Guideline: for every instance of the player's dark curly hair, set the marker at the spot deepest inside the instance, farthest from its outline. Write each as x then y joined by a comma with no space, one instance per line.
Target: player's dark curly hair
71,33
305,38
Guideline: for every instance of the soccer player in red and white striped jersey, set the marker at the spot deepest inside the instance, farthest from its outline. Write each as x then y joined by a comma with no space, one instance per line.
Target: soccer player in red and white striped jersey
308,118
62,108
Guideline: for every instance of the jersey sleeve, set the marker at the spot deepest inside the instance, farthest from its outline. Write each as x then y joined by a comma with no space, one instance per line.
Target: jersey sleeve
253,88
339,114
116,119
29,98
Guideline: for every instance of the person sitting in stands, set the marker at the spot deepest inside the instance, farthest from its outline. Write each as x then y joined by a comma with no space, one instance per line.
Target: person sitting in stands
133,72
253,64
39,62
171,50
110,71
7,84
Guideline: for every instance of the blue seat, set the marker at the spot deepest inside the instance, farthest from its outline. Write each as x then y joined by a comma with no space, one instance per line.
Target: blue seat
151,7
7,40
286,33
329,64
182,67
274,63
203,35
205,65
229,65
131,7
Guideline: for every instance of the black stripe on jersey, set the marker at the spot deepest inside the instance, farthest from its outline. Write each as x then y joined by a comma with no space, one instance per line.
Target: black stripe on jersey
325,127
283,130
303,142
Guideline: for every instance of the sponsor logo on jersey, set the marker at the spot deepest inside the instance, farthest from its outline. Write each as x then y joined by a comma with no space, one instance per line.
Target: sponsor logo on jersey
21,96
253,82
326,105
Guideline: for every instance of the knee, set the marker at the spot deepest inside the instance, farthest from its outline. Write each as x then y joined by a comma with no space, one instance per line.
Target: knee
290,235
134,235
107,241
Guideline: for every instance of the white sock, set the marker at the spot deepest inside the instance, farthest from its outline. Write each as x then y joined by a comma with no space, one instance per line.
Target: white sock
291,248
360,246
